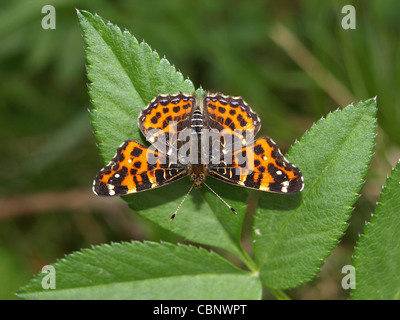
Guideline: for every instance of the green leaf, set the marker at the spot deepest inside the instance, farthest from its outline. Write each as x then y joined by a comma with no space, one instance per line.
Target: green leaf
145,271
377,256
125,76
293,234
203,218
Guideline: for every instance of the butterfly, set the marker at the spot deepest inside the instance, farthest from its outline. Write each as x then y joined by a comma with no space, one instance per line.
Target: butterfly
198,135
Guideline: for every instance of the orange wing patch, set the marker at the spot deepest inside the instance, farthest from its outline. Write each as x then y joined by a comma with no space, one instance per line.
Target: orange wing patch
136,168
227,112
260,166
166,116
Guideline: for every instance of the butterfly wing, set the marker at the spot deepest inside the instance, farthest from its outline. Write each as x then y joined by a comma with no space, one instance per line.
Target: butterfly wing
234,120
227,112
164,118
260,166
136,168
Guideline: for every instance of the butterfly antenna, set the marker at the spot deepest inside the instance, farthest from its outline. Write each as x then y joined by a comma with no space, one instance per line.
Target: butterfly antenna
177,209
233,210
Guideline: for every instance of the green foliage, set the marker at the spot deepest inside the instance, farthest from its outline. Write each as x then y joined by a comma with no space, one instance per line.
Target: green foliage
145,271
10,265
201,209
377,256
124,76
116,58
293,234
48,150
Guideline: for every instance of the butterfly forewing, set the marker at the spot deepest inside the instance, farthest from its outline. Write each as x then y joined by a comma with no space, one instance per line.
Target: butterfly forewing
136,168
260,166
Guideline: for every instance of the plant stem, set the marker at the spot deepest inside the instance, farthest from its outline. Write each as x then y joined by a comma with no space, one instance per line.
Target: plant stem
249,262
279,294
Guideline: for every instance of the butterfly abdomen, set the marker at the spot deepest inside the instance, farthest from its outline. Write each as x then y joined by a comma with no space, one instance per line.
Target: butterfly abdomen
196,166
197,122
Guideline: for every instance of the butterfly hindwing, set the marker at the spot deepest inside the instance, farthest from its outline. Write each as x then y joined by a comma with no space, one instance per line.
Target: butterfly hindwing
233,118
227,112
164,118
136,168
260,166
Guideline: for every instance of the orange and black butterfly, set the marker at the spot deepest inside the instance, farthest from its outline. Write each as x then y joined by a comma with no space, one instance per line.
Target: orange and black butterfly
232,156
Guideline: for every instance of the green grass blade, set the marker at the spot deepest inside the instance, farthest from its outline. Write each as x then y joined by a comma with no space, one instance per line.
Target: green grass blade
295,233
377,256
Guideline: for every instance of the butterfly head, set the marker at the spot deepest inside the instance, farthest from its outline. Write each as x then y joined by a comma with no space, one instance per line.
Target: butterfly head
198,174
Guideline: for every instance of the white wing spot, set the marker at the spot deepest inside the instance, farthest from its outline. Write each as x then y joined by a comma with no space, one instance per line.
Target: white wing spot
285,184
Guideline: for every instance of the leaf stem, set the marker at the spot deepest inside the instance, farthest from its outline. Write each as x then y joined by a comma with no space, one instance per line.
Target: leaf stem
249,262
279,294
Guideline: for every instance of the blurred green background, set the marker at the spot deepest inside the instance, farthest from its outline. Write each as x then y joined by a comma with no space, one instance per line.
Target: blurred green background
291,61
